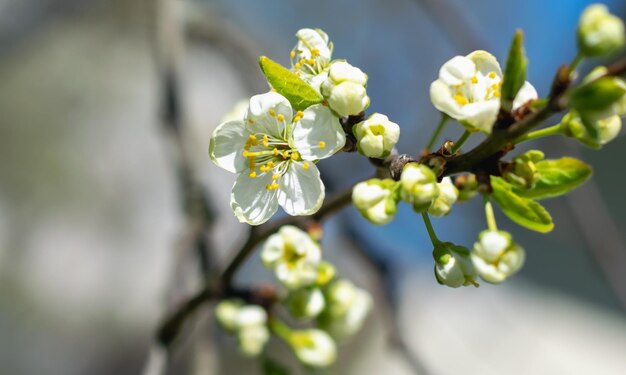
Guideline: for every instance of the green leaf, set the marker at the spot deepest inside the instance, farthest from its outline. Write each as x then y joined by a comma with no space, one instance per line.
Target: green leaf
597,94
523,211
515,71
557,177
272,367
299,93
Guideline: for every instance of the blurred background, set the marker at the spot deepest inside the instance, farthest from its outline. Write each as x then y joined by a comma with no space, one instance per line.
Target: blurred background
94,234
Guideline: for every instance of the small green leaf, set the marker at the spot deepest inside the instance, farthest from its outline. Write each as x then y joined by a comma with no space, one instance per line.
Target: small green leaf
557,177
523,211
299,93
515,71
597,94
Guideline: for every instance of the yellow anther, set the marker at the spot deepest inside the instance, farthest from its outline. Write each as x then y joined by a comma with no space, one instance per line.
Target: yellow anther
300,113
305,165
492,75
246,147
296,119
280,117
494,86
246,153
272,112
252,137
474,80
264,168
250,121
295,155
496,94
315,52
286,154
275,176
311,61
265,140
252,174
462,100
292,54
275,151
322,144
252,140
272,186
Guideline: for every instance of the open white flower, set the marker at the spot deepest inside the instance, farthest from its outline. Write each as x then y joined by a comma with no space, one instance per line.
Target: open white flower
313,347
496,256
293,256
310,58
468,90
274,153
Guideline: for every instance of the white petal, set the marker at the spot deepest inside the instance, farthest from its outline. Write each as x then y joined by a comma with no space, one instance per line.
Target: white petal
481,115
273,250
457,70
485,62
251,202
318,125
441,97
258,118
226,146
526,92
487,271
315,39
301,191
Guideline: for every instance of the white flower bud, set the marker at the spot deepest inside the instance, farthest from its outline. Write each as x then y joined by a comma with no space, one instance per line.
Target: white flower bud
453,265
448,194
226,313
599,32
313,347
375,199
250,315
376,136
347,308
496,257
606,129
313,43
252,339
293,256
419,186
345,89
306,303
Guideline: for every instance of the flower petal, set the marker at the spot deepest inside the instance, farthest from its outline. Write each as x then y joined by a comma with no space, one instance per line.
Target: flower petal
442,99
301,191
485,62
315,39
526,92
481,115
263,113
226,146
456,70
318,134
251,202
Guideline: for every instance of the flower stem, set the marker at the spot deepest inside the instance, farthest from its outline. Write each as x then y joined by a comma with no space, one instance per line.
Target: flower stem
546,132
280,329
442,124
429,228
574,64
457,145
491,218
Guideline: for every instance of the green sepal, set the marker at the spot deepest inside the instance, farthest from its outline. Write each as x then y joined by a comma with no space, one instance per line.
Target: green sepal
557,177
514,72
285,82
523,211
596,95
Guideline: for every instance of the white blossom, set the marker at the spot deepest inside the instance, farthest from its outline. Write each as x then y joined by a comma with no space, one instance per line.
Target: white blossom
376,136
313,347
274,153
496,257
310,59
468,90
344,89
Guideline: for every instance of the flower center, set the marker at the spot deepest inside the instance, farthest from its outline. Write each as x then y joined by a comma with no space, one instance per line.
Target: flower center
478,88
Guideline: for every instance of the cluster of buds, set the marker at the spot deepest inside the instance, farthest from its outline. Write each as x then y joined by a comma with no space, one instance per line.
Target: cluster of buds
522,172
248,322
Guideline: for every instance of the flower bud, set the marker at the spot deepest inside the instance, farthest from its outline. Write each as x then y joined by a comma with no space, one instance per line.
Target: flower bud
453,265
496,257
325,272
448,194
313,347
522,171
467,186
252,339
345,89
250,315
376,200
306,303
606,129
419,186
313,43
599,97
226,313
376,136
346,309
599,32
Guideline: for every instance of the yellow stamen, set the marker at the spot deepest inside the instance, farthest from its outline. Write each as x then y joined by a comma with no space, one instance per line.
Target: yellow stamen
474,80
300,113
296,119
264,168
265,140
311,61
275,151
494,86
305,165
496,94
275,177
286,154
295,155
315,52
252,174
492,75
292,54
270,164
462,100
280,117
272,186
272,112
322,144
